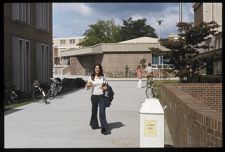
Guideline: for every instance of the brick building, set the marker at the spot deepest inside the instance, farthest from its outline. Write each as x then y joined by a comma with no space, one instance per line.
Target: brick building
114,57
61,64
27,44
63,43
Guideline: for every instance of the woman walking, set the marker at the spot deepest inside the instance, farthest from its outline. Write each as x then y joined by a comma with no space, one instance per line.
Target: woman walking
139,75
97,83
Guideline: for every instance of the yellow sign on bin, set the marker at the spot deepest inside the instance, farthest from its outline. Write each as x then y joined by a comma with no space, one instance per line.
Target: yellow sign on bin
150,128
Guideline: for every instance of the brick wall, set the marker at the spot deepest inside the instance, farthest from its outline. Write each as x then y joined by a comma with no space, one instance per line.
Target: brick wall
207,93
191,122
75,67
116,62
112,63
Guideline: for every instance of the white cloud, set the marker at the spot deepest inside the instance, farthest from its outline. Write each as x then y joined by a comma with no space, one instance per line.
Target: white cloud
170,18
71,8
137,16
74,18
84,9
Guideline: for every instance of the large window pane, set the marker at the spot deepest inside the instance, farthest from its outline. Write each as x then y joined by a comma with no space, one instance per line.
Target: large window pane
155,59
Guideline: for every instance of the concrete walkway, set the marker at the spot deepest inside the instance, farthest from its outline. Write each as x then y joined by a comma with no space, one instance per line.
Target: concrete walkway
65,122
85,77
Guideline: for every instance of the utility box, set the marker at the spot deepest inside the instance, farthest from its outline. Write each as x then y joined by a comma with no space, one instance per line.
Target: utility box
151,123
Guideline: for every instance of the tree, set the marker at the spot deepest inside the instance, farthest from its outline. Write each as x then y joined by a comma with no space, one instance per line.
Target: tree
134,29
184,52
100,32
108,32
142,62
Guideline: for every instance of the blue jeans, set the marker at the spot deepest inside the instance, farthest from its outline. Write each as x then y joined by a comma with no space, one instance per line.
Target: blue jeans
97,100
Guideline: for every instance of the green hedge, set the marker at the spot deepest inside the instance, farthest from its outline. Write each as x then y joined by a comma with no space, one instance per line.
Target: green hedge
73,83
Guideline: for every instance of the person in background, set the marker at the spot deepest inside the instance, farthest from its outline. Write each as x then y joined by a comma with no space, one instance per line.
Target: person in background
148,71
139,72
97,82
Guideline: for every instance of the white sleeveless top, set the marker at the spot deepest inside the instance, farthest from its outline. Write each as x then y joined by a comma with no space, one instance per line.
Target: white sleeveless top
97,85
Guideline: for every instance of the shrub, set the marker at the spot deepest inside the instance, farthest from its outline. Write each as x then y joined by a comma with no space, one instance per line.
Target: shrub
73,83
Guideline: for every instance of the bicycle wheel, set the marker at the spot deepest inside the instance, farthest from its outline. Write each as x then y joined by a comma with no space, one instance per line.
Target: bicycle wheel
37,95
59,88
19,95
12,97
8,97
155,92
52,93
148,92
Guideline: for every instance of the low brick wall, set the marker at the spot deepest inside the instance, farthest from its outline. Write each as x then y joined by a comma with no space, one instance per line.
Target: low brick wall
207,93
191,122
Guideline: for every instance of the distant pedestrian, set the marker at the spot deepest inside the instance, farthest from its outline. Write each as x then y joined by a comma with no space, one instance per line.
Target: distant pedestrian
148,71
97,82
139,72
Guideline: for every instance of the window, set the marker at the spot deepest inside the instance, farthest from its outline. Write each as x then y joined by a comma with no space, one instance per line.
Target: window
155,59
21,12
62,41
55,52
72,41
21,63
42,62
217,67
65,60
42,16
158,61
57,60
209,67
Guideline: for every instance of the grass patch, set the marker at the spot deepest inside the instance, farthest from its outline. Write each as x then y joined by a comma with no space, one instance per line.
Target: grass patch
12,106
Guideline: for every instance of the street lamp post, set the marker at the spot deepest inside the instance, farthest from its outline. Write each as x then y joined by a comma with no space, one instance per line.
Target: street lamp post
159,22
180,12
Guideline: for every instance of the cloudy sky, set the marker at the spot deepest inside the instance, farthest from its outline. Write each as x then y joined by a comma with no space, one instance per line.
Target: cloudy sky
73,19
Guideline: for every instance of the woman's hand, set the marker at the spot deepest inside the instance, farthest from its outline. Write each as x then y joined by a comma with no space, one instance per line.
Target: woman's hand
104,86
89,85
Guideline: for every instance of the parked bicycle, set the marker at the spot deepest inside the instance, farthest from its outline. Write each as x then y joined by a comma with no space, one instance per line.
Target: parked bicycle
150,91
58,82
12,96
55,88
39,93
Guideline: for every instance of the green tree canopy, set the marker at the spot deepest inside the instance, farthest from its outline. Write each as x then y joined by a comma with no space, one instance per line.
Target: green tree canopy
100,32
108,32
134,29
185,50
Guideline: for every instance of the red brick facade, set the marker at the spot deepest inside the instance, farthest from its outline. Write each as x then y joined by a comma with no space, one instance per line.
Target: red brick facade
191,122
113,63
206,93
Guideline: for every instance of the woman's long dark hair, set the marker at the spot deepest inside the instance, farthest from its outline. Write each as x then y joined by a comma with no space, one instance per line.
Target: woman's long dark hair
93,72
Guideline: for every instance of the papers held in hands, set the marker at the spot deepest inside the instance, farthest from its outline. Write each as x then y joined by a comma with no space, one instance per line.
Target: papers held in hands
89,85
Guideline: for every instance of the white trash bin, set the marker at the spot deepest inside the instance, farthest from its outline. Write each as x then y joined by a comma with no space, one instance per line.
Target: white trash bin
151,123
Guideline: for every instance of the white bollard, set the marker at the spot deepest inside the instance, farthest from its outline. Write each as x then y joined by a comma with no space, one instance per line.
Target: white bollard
151,124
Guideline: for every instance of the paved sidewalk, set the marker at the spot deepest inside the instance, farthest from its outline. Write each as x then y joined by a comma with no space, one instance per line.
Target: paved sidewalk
85,77
65,122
